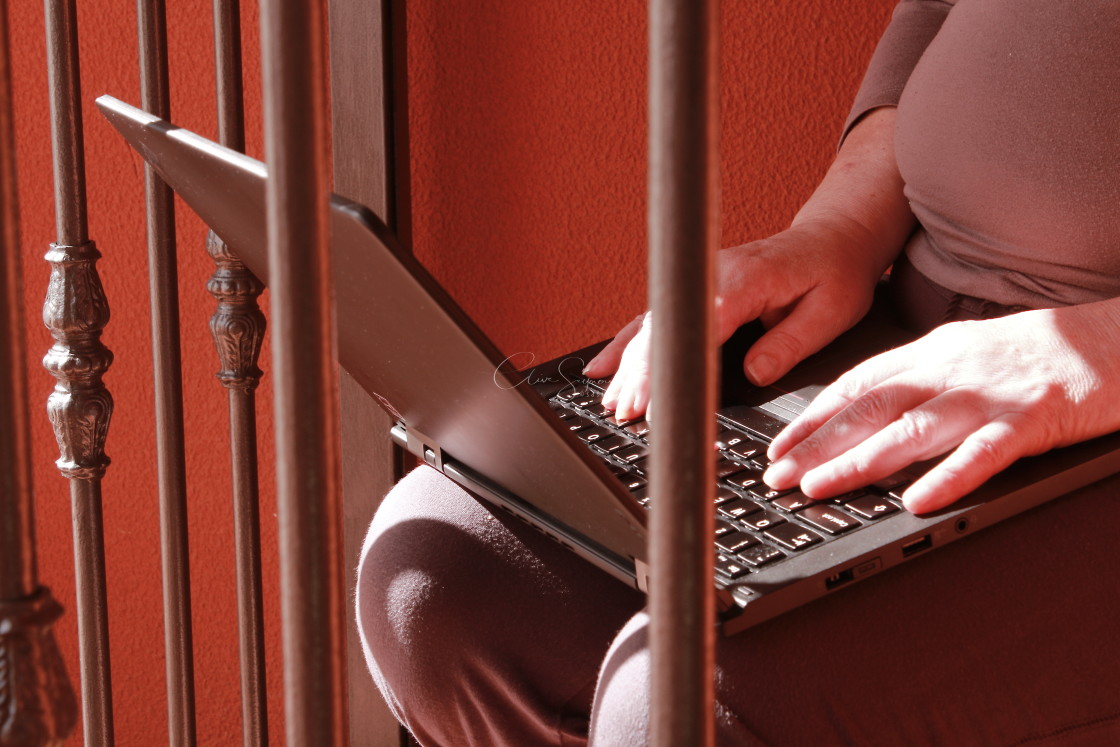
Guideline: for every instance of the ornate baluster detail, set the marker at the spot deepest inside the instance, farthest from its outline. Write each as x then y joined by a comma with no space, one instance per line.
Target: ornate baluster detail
76,311
238,327
37,705
237,324
80,407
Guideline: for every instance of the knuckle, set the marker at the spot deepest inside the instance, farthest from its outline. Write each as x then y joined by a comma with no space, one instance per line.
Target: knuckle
874,408
783,346
916,429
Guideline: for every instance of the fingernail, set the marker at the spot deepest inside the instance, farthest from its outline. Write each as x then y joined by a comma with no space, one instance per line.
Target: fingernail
780,474
761,369
590,366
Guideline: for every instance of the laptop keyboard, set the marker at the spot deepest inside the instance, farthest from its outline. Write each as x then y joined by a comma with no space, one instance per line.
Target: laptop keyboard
755,526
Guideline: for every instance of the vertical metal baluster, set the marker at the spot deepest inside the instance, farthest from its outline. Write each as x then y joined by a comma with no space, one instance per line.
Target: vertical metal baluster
80,408
36,700
238,329
307,459
167,376
683,231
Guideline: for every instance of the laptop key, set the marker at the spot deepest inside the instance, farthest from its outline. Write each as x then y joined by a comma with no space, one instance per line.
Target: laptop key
760,554
633,482
745,479
736,541
612,443
793,537
639,429
586,402
616,422
871,507
739,508
724,527
594,433
794,501
764,492
763,520
728,438
726,468
632,454
848,497
577,424
569,393
732,568
746,450
723,495
828,518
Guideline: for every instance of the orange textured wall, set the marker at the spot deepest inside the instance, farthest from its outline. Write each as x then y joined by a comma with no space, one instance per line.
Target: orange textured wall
528,184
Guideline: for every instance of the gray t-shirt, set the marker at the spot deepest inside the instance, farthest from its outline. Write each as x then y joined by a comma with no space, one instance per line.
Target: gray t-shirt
1008,139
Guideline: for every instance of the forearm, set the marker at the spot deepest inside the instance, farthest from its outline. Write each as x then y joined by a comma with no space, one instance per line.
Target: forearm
861,194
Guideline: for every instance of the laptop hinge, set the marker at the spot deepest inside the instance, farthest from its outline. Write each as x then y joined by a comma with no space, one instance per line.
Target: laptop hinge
641,575
418,445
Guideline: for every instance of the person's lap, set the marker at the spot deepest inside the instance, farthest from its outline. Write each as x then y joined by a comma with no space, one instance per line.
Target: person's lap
479,630
483,631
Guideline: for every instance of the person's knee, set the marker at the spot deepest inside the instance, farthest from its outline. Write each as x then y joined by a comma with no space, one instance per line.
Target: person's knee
413,588
620,714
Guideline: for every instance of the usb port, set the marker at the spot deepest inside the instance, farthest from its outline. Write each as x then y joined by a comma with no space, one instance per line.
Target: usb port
916,546
838,579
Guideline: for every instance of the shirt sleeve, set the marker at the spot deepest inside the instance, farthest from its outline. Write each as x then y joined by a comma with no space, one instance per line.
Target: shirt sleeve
913,25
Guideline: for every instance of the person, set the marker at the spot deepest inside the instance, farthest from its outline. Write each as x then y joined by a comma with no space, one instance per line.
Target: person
979,164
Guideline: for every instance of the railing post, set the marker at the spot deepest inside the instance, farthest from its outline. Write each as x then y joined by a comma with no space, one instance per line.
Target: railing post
37,705
80,408
683,232
313,605
238,329
167,376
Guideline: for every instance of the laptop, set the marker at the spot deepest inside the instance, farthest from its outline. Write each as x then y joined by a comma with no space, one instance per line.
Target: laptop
538,444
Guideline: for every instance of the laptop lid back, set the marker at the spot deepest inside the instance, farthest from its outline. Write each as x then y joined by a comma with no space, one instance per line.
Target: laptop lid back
406,342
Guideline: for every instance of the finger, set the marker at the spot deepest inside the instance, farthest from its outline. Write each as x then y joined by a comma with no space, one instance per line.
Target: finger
865,416
839,395
989,450
628,393
606,362
918,434
810,326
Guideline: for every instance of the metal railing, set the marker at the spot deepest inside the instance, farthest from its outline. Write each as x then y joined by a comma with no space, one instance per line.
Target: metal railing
683,234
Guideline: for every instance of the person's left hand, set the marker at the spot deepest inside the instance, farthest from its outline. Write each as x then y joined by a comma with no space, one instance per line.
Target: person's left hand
991,391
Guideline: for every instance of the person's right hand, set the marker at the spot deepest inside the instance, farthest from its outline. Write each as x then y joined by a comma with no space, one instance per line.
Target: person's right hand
807,285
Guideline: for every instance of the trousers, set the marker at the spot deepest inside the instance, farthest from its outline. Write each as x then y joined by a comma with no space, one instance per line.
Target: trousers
480,631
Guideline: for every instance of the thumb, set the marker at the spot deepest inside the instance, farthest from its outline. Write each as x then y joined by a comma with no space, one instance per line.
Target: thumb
807,329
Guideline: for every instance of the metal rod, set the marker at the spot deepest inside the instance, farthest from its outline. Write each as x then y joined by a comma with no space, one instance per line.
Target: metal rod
167,377
40,709
19,574
66,122
228,76
80,408
307,458
238,329
683,231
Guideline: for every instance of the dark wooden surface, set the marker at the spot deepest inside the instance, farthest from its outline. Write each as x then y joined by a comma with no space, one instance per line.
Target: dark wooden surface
313,603
369,123
683,231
